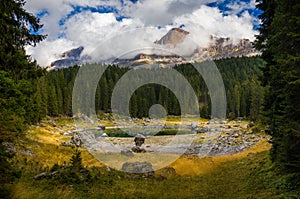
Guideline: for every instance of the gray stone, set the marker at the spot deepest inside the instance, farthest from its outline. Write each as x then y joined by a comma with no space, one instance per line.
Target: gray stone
138,149
104,135
52,123
75,139
41,176
139,139
168,171
28,151
127,153
138,167
101,127
67,133
10,147
250,125
67,144
194,125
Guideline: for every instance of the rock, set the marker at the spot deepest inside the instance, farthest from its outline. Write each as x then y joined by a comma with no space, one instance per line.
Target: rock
223,122
75,139
42,125
52,123
9,147
168,171
241,119
167,127
104,135
41,176
67,144
194,125
250,125
127,153
28,151
138,167
84,171
52,174
101,127
202,130
161,177
138,149
236,135
139,139
67,133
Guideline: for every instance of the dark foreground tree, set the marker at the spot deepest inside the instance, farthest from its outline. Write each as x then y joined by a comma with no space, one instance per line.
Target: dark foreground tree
279,39
18,77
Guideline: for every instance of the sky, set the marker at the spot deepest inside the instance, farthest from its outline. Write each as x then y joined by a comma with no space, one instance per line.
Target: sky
113,28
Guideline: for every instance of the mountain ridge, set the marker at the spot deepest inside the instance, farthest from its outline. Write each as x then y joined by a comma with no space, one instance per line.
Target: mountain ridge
218,48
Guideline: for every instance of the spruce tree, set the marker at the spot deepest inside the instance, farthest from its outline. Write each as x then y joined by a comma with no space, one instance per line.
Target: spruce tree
279,40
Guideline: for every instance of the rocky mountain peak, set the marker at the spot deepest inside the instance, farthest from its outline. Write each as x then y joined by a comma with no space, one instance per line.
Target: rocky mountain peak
67,59
220,48
173,37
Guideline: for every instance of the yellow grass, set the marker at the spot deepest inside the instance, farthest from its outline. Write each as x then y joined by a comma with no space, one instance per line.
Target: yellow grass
197,166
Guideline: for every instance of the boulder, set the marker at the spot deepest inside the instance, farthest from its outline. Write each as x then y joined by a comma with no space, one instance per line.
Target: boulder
168,171
127,153
75,139
194,125
202,130
138,167
139,139
138,149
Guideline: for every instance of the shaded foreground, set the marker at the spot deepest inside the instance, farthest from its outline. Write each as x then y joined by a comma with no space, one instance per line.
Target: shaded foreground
248,174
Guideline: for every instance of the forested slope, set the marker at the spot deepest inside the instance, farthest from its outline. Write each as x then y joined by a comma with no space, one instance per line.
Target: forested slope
240,76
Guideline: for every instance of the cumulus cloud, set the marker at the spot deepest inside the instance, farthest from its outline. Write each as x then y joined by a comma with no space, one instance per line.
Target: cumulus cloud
49,51
105,37
208,21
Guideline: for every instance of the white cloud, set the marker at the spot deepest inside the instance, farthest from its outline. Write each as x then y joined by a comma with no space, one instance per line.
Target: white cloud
112,38
208,21
49,51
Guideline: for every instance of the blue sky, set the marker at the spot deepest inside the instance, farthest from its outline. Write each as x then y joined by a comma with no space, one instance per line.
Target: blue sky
73,23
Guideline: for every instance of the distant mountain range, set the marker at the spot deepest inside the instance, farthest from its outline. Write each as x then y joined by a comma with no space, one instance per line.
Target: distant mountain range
218,48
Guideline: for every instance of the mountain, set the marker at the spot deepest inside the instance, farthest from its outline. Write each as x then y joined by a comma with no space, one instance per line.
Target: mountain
67,59
220,48
173,37
150,60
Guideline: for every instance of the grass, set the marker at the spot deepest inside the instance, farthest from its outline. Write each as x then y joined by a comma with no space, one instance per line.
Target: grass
239,178
249,174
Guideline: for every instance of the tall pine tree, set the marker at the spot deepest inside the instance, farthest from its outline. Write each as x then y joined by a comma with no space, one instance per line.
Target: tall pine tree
279,39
